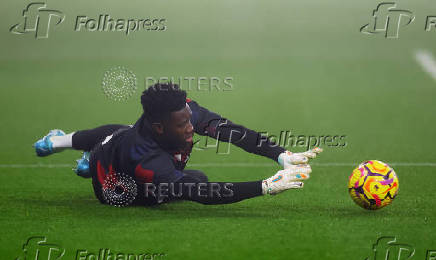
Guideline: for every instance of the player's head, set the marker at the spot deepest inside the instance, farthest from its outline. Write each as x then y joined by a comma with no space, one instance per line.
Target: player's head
165,107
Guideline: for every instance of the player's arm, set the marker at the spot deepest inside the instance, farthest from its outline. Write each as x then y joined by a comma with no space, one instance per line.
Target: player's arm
161,182
211,124
212,193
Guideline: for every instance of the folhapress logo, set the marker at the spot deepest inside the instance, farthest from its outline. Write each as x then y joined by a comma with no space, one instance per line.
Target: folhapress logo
388,20
37,248
387,248
37,19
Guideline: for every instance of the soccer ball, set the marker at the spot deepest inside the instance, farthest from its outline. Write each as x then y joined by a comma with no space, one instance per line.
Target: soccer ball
373,185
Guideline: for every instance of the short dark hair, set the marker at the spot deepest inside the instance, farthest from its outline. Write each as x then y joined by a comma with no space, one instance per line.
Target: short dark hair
159,100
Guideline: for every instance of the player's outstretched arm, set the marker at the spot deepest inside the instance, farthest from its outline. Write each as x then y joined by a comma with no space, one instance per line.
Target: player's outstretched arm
208,123
211,124
210,193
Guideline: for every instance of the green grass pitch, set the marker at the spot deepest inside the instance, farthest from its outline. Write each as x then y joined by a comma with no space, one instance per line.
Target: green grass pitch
296,65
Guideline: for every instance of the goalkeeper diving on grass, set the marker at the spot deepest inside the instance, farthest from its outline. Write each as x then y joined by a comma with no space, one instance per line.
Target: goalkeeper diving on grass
145,163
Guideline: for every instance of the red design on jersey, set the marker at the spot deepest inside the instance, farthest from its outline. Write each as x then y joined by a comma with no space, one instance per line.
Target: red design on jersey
102,175
143,175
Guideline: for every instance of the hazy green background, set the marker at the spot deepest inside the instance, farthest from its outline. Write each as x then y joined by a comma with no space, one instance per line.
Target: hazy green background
297,65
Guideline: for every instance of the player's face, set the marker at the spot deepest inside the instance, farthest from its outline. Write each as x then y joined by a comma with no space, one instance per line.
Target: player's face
179,130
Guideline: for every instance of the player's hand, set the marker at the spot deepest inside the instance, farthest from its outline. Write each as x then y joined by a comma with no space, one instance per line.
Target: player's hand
288,158
289,178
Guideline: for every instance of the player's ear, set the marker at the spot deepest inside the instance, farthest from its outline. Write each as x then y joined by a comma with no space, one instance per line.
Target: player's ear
157,128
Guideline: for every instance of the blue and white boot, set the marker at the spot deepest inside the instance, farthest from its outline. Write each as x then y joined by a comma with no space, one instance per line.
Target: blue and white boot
82,168
44,146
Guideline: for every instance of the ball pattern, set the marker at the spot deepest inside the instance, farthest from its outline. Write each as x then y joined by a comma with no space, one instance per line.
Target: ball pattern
373,185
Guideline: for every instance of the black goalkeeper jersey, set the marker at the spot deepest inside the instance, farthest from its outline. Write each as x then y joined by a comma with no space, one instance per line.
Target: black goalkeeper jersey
133,150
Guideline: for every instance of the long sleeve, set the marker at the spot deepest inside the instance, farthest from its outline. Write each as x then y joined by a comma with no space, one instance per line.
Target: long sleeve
211,124
208,193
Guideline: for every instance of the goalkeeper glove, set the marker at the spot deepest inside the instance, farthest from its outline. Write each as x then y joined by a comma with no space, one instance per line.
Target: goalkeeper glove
286,159
289,178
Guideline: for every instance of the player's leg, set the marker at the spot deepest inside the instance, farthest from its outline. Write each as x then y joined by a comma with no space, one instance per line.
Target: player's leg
44,146
85,140
56,140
